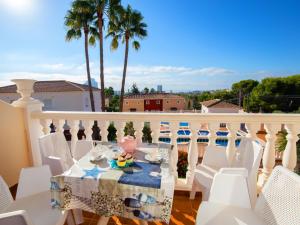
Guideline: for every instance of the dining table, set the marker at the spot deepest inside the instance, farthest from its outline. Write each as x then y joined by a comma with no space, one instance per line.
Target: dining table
143,190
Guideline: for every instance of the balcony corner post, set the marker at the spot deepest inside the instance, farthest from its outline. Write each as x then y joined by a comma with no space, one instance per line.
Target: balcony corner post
32,126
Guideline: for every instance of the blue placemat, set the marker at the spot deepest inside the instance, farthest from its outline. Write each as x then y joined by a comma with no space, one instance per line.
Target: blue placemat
139,175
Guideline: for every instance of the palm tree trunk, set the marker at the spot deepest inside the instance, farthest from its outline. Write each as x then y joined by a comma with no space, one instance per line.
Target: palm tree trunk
87,61
124,74
100,27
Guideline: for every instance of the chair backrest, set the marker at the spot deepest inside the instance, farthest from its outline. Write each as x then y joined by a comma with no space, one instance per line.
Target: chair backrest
55,144
250,154
279,201
19,217
5,196
33,180
82,147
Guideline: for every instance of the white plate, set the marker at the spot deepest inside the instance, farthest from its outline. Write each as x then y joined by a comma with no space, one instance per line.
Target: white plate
158,159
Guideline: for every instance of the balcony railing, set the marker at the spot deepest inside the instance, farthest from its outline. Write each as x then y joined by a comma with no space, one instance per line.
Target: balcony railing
38,123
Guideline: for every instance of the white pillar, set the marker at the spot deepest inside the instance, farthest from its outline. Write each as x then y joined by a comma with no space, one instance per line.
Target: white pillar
32,126
231,148
192,154
289,159
268,159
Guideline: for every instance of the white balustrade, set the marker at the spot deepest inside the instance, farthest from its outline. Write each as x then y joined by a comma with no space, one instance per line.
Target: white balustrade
120,125
88,128
74,127
289,159
192,154
138,127
272,124
59,125
155,131
212,136
103,125
46,125
174,126
231,148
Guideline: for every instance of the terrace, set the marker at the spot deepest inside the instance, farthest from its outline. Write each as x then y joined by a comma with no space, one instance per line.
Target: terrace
25,120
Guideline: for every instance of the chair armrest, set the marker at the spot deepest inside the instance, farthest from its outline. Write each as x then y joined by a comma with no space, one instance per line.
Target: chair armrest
230,189
238,171
55,164
15,217
215,156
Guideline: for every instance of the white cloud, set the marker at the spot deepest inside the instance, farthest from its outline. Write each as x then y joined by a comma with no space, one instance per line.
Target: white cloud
171,77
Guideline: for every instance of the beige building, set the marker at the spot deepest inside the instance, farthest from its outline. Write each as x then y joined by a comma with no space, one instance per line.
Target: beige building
153,102
219,106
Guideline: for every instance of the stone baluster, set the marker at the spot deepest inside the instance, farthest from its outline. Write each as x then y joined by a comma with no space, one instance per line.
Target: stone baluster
103,125
192,154
289,159
155,131
138,127
268,159
45,123
88,128
59,125
120,125
74,127
252,129
212,136
231,148
174,126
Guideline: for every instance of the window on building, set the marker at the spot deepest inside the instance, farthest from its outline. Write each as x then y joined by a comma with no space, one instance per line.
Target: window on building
86,102
173,109
167,101
47,104
158,102
126,103
178,102
133,110
147,102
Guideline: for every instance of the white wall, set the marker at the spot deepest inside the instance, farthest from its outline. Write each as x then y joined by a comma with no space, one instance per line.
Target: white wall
204,109
61,101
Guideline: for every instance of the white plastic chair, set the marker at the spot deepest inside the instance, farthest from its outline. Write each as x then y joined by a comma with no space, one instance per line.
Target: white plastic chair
34,198
277,204
19,217
55,152
33,180
82,147
248,157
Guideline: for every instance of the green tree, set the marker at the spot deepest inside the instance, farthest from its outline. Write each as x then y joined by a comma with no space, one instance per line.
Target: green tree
146,90
242,89
134,89
78,21
109,92
127,25
276,94
152,91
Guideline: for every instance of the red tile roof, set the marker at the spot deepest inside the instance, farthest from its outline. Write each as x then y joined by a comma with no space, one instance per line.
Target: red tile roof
153,96
217,103
51,86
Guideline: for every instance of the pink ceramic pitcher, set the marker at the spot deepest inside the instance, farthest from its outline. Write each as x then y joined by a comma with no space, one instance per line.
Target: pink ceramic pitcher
128,144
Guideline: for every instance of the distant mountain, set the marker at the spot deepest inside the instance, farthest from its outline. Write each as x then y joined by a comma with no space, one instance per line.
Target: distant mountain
94,83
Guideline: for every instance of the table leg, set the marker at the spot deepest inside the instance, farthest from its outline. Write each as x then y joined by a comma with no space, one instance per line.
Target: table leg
103,220
143,222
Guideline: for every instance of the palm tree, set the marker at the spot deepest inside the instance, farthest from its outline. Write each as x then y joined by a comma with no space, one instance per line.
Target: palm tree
127,25
100,8
78,21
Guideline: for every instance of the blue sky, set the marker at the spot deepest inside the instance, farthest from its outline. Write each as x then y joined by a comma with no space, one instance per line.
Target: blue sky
192,44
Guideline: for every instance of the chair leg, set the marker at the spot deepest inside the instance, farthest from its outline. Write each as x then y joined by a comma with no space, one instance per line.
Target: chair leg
192,194
205,194
103,220
70,219
193,191
78,216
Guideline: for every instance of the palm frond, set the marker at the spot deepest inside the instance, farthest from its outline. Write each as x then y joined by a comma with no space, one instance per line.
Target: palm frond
136,45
